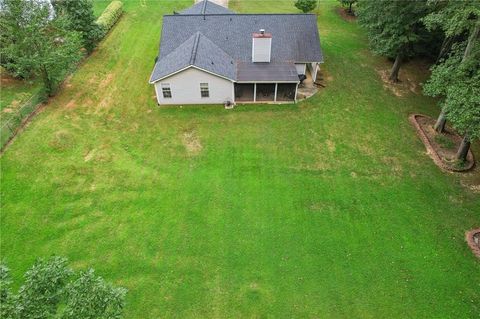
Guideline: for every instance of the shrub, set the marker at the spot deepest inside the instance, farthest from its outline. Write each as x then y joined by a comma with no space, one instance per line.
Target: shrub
110,16
53,290
306,5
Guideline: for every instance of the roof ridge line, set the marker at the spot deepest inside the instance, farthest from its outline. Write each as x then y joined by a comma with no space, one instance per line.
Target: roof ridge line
239,14
216,45
204,8
194,49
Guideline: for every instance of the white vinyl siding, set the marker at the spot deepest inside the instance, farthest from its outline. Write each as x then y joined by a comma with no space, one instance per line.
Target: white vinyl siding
185,88
300,68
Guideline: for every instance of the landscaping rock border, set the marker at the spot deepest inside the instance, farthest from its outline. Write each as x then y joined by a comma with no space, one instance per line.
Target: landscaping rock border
431,151
471,242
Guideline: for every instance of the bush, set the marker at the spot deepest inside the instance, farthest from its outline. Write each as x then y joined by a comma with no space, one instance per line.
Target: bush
306,5
110,16
53,290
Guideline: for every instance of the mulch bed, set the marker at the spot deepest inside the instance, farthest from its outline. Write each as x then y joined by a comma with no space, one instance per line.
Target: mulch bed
473,240
443,154
343,12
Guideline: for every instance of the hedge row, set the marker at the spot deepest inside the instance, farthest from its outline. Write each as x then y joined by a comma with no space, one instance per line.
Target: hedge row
111,15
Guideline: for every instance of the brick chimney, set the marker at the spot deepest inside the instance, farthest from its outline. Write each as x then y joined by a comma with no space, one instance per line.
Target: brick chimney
261,46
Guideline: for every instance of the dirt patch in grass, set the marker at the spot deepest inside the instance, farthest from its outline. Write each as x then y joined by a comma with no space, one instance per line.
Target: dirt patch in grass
411,75
62,140
330,146
394,163
401,88
71,105
473,240
343,12
89,155
192,143
7,79
106,81
442,147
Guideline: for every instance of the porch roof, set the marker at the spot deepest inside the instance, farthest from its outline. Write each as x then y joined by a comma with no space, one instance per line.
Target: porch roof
267,72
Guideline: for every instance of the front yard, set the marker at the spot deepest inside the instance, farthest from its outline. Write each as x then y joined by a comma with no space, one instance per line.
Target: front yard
326,208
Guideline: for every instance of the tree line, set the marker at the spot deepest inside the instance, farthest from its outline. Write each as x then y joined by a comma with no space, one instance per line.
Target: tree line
449,29
46,38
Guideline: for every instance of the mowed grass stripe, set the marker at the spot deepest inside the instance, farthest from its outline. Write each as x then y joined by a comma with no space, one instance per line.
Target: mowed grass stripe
327,208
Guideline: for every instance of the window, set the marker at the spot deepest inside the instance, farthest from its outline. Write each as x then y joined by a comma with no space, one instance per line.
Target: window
167,93
204,90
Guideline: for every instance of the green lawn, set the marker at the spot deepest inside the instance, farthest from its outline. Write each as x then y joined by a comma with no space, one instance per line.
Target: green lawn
13,95
329,208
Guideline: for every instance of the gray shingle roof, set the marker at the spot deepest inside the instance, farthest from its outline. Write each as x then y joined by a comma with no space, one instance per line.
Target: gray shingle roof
273,71
224,38
196,51
206,7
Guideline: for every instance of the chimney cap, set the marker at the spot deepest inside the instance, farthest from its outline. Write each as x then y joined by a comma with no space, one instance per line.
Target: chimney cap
262,34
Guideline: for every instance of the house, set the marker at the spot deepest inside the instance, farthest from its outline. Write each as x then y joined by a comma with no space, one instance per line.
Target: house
211,55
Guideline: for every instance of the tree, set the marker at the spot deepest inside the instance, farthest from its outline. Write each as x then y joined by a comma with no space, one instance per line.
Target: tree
394,28
80,17
91,297
52,290
456,19
349,4
306,5
35,43
6,302
457,81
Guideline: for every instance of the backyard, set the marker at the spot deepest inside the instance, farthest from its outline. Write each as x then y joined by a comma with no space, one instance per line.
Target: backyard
329,208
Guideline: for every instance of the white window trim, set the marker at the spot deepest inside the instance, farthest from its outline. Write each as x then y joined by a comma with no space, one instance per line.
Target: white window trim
204,86
166,86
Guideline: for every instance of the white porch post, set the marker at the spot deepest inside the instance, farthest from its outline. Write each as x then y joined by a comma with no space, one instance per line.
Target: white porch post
233,92
255,92
276,87
296,90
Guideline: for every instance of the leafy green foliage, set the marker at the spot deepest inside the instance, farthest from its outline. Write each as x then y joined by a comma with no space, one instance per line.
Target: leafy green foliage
35,44
18,21
393,27
456,78
110,16
43,289
6,302
80,17
458,84
452,16
306,5
90,297
47,293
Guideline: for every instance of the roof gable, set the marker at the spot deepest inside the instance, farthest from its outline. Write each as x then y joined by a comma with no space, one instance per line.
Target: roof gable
196,51
206,7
